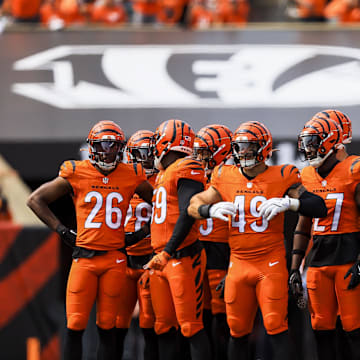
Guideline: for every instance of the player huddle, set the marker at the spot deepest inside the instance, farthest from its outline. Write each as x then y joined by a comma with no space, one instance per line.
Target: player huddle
191,226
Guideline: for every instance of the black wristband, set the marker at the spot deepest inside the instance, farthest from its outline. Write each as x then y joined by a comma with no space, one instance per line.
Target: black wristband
204,210
298,252
302,233
61,229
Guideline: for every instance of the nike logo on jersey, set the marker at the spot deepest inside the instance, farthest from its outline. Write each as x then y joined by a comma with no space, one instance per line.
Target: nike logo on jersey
119,261
273,263
176,264
194,172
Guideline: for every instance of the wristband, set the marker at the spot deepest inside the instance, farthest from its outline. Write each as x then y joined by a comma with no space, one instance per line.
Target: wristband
298,252
302,233
61,229
204,210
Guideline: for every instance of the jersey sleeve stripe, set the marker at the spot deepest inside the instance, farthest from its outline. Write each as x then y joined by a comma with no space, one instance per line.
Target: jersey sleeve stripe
135,168
196,168
73,165
353,164
283,170
220,169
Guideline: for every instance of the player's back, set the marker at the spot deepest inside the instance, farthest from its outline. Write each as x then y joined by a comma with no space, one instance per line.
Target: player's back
166,204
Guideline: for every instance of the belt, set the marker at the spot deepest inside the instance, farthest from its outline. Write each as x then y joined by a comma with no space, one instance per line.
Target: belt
137,262
191,250
80,252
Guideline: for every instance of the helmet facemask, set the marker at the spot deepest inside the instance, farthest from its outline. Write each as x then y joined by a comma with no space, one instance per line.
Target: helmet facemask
246,153
145,157
204,155
106,153
311,149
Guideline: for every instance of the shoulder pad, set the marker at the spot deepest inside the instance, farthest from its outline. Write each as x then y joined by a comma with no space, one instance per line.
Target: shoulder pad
288,169
190,168
67,168
190,163
355,166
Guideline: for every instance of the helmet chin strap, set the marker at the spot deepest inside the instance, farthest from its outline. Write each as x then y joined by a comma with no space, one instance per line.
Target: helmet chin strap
157,162
318,161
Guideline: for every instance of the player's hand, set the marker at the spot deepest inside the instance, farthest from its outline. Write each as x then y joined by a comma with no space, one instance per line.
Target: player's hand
274,206
144,280
158,262
222,209
67,235
221,287
296,288
354,271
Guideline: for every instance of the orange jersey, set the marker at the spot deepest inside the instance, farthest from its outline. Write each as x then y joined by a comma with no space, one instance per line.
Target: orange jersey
109,15
166,205
214,230
101,202
249,234
309,8
232,12
139,212
338,190
23,8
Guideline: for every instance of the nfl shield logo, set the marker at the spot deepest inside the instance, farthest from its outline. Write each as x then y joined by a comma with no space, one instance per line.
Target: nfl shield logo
105,180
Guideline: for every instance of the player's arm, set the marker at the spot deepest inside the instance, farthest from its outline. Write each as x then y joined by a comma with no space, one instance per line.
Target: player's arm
39,201
186,189
47,193
354,270
131,238
209,204
302,236
145,191
202,199
297,199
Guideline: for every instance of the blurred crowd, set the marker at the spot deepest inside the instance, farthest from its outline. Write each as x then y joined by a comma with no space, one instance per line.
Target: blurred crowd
195,14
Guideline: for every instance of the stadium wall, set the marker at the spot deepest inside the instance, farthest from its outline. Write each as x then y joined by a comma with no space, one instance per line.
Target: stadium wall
56,85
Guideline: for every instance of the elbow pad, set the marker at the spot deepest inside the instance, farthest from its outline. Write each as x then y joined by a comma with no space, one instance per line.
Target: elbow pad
312,205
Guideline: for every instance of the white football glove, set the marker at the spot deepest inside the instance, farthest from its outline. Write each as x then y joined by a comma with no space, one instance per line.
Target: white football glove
274,206
222,209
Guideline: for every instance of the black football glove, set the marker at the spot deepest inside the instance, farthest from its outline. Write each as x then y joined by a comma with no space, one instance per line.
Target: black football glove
67,235
354,271
296,289
221,287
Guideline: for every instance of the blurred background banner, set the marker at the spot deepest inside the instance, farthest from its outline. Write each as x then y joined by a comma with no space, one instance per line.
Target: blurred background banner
29,291
56,85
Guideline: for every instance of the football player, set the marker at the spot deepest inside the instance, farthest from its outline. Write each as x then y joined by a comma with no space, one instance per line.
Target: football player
333,274
212,145
177,269
257,274
344,122
101,188
137,281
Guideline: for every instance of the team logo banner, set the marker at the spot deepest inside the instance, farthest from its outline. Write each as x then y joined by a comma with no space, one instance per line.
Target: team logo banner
194,76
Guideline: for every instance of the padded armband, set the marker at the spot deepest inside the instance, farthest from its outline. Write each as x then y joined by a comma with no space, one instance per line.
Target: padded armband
204,210
312,205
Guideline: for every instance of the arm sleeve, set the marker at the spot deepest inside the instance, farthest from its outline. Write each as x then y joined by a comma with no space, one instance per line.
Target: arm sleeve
186,189
132,238
312,205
